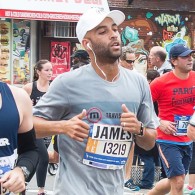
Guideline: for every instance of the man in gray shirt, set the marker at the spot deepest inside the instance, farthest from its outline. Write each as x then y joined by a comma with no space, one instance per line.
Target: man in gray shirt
158,60
97,110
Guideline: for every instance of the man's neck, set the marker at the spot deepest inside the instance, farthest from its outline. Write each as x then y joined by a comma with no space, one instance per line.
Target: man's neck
181,75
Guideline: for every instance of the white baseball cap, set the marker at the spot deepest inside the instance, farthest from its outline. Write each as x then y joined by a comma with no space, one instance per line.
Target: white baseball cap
93,17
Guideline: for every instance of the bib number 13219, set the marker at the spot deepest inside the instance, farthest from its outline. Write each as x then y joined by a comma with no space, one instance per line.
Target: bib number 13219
114,148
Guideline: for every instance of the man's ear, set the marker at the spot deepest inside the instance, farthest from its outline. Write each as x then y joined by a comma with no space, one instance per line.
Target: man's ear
86,44
174,61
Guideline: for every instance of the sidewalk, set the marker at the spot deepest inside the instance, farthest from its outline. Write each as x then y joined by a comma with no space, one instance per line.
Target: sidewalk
141,192
144,192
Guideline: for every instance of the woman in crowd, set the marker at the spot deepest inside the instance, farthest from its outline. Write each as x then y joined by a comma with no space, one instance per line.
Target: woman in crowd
36,89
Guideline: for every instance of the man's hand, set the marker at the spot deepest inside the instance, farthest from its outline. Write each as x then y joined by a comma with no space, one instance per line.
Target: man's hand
167,127
76,128
13,181
129,121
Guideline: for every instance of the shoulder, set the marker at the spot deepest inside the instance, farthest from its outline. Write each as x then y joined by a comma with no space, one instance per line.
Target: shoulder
161,82
133,75
24,105
28,88
192,73
137,79
164,77
19,94
74,75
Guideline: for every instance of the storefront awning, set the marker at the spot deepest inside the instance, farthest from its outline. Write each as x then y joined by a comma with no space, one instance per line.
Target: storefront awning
56,10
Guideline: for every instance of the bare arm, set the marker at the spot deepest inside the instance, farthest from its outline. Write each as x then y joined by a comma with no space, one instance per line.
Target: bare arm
74,128
191,132
14,180
28,88
191,128
147,141
130,123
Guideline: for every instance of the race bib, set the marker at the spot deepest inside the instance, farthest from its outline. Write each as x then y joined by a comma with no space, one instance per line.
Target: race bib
107,147
181,124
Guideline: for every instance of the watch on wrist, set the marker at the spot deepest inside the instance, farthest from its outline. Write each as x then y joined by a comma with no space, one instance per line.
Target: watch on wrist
25,171
141,133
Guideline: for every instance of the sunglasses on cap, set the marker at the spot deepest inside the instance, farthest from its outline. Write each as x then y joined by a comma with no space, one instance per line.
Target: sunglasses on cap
130,61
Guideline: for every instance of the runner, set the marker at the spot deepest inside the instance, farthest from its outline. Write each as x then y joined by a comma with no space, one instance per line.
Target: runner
36,89
16,135
97,110
174,92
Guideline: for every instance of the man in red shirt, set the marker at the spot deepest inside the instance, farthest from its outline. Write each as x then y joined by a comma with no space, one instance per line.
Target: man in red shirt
175,94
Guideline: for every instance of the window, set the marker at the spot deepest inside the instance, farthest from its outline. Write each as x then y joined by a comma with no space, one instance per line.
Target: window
60,29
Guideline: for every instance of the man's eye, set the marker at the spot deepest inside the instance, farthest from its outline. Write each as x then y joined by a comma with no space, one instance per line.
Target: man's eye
115,29
102,32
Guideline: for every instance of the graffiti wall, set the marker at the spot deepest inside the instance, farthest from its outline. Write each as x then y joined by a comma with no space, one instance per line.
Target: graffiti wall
145,29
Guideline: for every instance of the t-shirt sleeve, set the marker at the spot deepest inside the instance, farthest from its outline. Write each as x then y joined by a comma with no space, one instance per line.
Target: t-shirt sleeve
146,112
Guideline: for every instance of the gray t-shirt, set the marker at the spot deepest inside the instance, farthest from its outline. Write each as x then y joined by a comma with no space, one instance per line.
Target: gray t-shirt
80,89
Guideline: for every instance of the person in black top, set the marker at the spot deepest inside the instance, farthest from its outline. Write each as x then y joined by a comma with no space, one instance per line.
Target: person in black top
36,89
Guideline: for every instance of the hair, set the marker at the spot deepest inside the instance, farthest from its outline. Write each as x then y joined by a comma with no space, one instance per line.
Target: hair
160,52
152,74
193,65
170,60
125,50
161,55
39,66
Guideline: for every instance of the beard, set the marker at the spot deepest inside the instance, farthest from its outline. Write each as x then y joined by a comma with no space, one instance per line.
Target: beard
104,54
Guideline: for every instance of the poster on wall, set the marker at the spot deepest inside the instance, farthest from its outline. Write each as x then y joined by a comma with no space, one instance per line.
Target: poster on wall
5,74
60,57
21,52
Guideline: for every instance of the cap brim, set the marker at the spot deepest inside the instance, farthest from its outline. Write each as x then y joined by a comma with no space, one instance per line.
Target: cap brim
186,53
117,16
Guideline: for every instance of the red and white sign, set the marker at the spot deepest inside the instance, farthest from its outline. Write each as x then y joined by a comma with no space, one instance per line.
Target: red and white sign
56,10
60,57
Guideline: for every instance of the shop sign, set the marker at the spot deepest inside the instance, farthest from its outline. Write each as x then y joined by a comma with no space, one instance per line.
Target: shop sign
56,10
60,57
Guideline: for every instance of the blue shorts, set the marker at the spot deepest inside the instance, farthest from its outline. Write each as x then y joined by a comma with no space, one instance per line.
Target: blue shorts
175,158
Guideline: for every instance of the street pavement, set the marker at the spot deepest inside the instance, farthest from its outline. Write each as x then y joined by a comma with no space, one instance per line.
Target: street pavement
32,187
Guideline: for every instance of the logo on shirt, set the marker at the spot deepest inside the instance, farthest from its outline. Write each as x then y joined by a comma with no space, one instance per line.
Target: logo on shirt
94,115
182,96
4,142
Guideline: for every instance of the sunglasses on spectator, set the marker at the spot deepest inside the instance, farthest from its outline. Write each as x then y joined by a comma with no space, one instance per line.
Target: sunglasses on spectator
130,61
